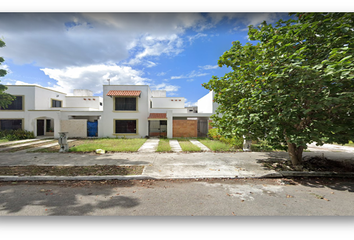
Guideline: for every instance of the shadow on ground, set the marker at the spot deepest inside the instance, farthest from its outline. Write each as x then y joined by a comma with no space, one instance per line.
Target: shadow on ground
55,199
340,184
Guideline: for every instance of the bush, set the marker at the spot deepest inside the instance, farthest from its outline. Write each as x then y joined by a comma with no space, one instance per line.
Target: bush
235,141
18,134
213,134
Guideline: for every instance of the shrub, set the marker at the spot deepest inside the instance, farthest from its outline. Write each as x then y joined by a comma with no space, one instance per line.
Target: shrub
17,134
235,141
213,134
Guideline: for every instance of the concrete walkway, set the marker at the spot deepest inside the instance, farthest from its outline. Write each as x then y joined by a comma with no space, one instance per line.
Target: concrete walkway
15,142
42,147
163,165
175,147
23,145
329,148
199,144
149,146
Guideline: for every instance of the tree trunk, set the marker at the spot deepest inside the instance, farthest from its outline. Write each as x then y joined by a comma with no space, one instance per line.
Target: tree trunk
295,154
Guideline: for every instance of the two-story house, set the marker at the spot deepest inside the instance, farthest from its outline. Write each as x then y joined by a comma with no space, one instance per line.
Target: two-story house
124,110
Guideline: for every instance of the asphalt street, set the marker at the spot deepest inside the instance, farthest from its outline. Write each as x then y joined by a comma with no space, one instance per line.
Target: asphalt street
212,197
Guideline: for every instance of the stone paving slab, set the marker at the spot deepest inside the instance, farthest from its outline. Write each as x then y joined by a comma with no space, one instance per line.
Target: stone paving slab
175,147
199,144
149,146
42,147
330,148
15,142
23,145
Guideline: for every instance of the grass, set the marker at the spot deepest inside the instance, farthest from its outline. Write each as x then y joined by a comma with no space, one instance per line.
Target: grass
187,146
112,145
3,140
217,146
350,144
100,170
164,145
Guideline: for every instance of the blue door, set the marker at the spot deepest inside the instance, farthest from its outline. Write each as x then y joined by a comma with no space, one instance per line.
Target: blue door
92,129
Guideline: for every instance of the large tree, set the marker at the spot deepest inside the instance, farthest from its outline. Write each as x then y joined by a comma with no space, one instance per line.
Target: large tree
5,98
293,86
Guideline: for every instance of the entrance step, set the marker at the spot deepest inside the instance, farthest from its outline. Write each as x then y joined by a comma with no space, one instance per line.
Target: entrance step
199,144
149,146
175,147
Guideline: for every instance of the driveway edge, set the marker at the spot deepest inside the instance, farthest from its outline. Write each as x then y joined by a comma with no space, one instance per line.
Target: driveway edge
281,174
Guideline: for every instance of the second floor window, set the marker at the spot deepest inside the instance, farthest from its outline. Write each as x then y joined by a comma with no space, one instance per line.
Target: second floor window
56,103
17,104
125,104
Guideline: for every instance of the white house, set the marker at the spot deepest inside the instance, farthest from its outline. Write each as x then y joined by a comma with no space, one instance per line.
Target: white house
124,110
206,104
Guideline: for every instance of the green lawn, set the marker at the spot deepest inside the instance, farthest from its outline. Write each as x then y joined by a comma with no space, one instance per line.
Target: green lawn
216,146
3,140
114,145
164,145
350,144
187,146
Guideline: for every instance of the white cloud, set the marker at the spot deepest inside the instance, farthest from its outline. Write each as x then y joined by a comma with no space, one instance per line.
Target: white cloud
17,82
5,67
246,18
198,35
167,88
58,40
208,67
189,103
161,74
190,75
92,77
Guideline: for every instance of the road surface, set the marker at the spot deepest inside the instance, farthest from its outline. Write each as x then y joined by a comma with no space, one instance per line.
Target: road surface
212,197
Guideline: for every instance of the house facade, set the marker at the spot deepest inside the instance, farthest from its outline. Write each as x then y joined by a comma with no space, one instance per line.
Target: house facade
130,111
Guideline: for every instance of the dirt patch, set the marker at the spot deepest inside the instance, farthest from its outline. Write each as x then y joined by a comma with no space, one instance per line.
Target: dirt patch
317,164
97,170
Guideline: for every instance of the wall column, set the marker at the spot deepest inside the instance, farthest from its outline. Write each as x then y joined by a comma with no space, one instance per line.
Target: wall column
169,124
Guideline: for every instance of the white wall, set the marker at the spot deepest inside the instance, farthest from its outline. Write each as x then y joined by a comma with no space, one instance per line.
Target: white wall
167,102
205,104
109,114
164,110
43,98
83,102
27,91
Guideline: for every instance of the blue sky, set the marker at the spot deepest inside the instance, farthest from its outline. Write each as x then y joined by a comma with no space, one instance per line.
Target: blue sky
176,52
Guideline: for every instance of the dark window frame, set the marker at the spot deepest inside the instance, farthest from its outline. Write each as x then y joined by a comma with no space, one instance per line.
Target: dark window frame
125,126
2,127
14,106
129,104
55,103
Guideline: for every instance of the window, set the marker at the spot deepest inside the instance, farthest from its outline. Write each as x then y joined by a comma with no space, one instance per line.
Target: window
125,126
10,124
17,104
125,104
56,103
48,128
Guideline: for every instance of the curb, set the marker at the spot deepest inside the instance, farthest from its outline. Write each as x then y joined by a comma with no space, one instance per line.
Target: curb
281,174
307,174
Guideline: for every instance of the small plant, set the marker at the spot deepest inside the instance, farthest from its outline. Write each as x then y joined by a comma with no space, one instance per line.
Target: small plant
17,134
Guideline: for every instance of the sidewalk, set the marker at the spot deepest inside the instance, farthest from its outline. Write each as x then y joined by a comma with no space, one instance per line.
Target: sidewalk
166,165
